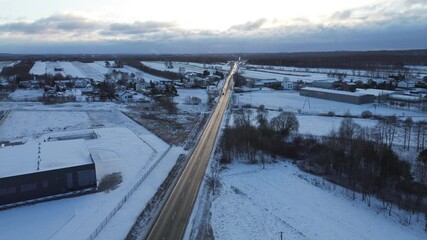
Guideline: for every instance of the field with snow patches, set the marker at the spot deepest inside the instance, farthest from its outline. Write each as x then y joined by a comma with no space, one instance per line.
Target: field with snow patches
5,64
124,146
259,204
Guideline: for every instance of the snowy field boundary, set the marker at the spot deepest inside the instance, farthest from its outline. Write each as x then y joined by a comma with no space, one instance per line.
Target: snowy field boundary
101,226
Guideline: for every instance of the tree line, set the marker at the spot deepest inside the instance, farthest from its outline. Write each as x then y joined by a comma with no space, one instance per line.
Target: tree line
164,74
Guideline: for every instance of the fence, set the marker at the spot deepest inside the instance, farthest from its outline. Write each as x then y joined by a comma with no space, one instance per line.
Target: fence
101,226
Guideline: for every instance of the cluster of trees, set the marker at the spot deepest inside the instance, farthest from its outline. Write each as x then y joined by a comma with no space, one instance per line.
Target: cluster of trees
239,80
252,140
20,70
165,74
116,64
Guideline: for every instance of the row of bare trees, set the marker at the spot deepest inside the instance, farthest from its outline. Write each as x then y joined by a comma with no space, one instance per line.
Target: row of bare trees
251,138
362,159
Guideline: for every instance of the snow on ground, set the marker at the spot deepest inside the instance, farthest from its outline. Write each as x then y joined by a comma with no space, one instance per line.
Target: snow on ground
324,125
292,101
41,68
71,106
259,204
20,124
71,70
307,77
91,70
26,95
189,66
185,93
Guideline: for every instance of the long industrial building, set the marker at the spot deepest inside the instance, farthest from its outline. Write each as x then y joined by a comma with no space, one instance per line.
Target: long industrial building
41,170
339,96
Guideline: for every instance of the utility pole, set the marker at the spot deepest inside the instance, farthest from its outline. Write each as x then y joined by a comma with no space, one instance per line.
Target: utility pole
281,235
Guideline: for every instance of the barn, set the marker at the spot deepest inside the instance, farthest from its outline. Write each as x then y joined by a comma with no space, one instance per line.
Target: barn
339,96
42,170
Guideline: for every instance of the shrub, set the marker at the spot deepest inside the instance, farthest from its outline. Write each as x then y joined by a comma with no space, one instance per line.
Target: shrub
366,114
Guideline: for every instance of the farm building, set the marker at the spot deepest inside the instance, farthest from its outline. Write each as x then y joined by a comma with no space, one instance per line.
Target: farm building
339,96
406,84
37,171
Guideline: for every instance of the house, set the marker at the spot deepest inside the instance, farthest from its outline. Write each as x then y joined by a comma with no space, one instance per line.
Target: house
271,83
181,70
287,84
4,84
323,84
194,81
32,84
34,171
254,83
408,83
82,83
349,86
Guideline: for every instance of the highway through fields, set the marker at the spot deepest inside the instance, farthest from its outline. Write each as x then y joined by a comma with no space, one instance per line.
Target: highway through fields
172,220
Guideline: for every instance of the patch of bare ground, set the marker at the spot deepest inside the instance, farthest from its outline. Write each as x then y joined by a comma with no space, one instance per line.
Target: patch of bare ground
171,127
110,182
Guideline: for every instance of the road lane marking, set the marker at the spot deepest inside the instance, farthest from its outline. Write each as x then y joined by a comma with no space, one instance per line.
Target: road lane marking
173,217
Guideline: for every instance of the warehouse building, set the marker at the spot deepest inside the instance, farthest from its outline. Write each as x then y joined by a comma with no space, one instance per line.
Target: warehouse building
39,171
338,96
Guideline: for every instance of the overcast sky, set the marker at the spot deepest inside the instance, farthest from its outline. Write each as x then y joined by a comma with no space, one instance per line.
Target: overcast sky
221,26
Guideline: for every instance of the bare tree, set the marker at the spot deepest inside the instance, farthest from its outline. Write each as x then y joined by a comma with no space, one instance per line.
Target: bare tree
213,179
407,129
285,123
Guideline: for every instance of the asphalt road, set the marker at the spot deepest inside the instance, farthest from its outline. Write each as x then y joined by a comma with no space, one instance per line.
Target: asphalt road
173,218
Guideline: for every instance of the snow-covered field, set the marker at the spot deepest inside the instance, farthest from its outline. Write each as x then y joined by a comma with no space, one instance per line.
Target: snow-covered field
68,68
24,124
321,126
259,204
292,101
189,67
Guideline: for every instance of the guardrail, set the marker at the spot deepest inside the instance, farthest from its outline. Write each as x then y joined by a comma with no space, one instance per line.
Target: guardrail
101,226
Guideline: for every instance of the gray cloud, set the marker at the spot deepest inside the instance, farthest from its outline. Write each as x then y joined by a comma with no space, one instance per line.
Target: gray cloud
55,23
138,28
249,26
366,28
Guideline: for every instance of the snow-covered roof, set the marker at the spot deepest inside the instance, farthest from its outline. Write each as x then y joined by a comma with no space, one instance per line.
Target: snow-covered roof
22,159
405,97
357,94
376,92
